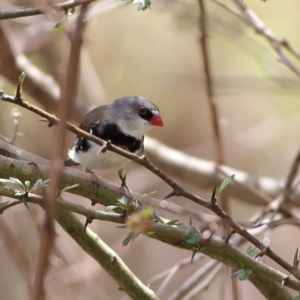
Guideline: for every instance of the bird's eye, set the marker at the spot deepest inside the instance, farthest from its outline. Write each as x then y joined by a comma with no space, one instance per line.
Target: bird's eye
142,110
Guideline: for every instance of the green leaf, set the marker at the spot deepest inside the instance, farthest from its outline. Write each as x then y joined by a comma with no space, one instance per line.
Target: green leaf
147,212
236,274
17,181
252,251
27,185
242,274
224,184
20,193
21,79
40,184
5,181
59,28
124,203
245,274
143,4
148,194
71,11
110,207
67,188
172,222
150,233
2,95
3,206
193,238
127,239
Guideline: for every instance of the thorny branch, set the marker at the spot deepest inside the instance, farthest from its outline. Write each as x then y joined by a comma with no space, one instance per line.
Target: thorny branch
68,93
209,83
169,234
214,117
143,160
251,19
277,46
291,176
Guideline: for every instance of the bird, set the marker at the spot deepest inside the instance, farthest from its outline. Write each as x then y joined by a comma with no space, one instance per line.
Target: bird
124,123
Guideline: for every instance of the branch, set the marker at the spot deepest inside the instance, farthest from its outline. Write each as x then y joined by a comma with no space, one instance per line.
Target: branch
140,159
177,189
205,174
262,275
209,83
291,176
38,84
33,11
203,285
109,260
95,247
251,19
47,234
170,273
107,192
223,200
202,173
194,280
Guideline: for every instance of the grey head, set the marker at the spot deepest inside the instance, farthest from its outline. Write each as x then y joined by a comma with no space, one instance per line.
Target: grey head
134,115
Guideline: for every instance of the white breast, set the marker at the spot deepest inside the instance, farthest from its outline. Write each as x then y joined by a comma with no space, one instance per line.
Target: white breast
92,159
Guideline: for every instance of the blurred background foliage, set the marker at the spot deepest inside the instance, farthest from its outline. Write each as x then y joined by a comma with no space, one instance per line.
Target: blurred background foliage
156,54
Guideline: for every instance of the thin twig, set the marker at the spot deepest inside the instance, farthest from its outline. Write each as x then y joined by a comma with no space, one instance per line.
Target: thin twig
223,199
175,269
209,84
170,273
39,85
171,234
290,178
33,11
193,280
142,160
252,20
204,284
68,93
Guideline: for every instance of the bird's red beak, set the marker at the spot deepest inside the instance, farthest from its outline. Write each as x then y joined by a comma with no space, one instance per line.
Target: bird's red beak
156,120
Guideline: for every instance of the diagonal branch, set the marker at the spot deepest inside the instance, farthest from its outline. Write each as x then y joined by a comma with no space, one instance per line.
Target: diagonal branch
251,19
265,278
215,209
38,84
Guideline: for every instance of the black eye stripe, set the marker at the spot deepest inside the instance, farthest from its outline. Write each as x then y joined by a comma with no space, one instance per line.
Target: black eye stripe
145,113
